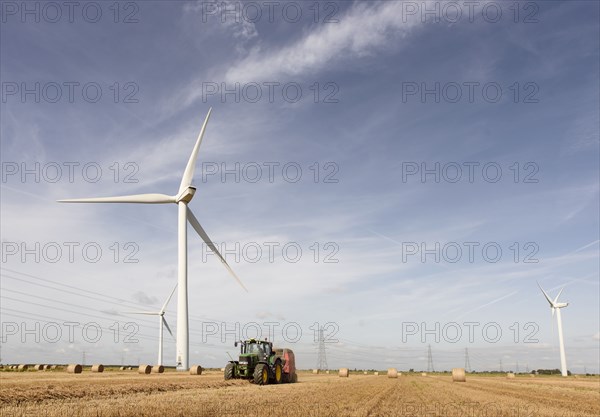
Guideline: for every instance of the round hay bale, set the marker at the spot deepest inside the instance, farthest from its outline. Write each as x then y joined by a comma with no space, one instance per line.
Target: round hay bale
98,368
122,368
74,369
23,367
38,367
376,373
344,372
130,368
222,369
458,375
510,375
423,373
144,369
392,373
158,369
327,372
196,370
315,371
531,375
365,373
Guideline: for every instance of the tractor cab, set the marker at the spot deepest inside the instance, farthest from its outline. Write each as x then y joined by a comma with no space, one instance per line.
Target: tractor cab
259,348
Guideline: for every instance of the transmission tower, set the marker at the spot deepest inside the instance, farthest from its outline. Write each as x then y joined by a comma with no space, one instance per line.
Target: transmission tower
83,358
501,369
467,362
429,360
517,367
322,357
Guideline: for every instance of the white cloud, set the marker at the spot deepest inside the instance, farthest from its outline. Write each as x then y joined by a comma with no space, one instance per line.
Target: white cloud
228,15
362,30
143,298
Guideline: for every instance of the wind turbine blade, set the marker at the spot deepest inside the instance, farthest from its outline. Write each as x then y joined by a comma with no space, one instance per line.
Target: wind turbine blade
162,310
137,198
196,225
558,295
188,174
167,326
546,295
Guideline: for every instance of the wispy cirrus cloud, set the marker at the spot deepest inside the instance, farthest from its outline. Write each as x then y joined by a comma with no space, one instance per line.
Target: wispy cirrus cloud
362,31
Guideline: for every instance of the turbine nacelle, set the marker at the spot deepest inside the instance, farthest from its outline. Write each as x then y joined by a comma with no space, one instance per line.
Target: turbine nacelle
186,195
554,304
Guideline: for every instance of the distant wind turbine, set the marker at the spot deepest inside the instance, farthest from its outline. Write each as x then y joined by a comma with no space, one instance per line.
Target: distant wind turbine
163,323
556,306
182,198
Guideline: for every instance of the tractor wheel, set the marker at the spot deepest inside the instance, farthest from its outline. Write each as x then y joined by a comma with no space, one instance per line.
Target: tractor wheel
278,373
294,378
261,374
229,368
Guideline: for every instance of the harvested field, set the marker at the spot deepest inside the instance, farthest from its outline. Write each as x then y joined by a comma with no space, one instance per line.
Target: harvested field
122,393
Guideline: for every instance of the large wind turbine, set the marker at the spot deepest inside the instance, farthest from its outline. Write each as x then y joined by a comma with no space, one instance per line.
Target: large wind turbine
163,323
182,198
556,306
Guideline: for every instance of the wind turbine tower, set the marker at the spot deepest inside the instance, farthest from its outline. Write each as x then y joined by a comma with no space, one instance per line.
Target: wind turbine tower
162,324
556,306
182,198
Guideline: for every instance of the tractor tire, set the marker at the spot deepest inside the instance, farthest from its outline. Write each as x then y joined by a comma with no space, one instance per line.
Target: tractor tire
229,371
294,378
261,374
278,373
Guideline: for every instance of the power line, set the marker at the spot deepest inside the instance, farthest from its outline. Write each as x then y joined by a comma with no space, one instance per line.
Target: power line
109,299
47,319
62,302
66,286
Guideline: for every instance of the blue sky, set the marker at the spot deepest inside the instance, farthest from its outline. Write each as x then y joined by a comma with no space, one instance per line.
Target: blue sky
366,129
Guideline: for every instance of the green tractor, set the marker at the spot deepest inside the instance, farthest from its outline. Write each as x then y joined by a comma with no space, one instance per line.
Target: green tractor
262,364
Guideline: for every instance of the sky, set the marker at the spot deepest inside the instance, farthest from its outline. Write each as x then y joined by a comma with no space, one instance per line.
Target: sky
400,174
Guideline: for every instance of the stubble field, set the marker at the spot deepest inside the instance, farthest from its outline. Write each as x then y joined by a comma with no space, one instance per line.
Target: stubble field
125,393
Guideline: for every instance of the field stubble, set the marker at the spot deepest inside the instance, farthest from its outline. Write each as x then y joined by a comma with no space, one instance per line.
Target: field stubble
127,394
